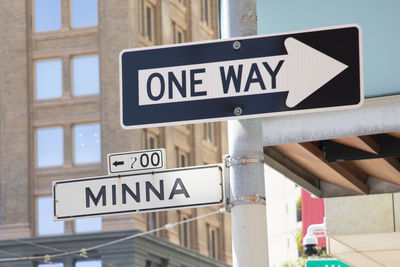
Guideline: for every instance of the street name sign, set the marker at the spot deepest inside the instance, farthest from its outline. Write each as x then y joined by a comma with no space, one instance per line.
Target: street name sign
136,161
326,263
133,193
241,78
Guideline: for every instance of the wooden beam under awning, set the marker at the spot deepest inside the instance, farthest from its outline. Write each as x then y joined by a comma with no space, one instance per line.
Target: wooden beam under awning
308,156
387,169
365,143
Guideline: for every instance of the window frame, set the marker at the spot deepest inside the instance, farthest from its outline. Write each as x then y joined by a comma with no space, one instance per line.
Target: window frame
82,27
89,231
38,217
88,260
35,78
75,163
213,247
34,16
209,132
72,76
36,136
205,13
182,158
50,265
178,30
144,6
185,230
153,222
149,136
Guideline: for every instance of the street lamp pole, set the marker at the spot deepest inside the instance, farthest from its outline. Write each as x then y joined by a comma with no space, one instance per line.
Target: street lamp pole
247,185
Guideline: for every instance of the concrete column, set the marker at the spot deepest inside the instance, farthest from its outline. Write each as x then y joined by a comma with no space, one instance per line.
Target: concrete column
14,127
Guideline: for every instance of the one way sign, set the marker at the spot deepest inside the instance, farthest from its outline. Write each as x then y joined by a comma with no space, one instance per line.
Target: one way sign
242,77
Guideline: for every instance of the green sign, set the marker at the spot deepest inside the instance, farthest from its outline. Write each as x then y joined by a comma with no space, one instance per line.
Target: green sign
326,263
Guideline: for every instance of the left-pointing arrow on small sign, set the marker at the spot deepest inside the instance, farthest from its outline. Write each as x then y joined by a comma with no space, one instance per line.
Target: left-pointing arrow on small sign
117,163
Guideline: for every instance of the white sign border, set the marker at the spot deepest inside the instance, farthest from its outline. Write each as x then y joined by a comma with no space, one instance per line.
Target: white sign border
138,211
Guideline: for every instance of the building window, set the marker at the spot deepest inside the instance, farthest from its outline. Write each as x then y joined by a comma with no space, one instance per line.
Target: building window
185,234
179,34
47,15
85,79
84,13
51,265
49,147
153,220
184,231
147,20
213,242
180,37
152,223
151,140
209,132
157,262
149,23
48,79
45,223
298,209
205,12
182,158
88,263
88,225
87,147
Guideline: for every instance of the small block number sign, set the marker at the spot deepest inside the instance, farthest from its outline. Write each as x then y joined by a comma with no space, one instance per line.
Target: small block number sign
136,161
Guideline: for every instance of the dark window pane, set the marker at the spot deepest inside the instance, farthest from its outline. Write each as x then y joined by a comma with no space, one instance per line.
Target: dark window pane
185,234
152,143
213,247
149,23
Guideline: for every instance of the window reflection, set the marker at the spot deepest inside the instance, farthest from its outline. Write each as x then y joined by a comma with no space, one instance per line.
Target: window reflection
49,147
84,13
85,75
88,225
46,225
87,145
48,79
51,265
47,15
89,263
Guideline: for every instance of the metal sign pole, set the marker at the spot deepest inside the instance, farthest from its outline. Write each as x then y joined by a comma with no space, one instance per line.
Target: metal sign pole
248,211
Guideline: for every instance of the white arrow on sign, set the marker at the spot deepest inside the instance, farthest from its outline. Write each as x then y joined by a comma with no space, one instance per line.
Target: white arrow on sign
301,72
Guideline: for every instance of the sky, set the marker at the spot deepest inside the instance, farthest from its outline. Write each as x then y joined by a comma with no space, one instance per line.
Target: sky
379,21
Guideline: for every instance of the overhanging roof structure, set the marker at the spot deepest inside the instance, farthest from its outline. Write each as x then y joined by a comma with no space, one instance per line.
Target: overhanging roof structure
338,153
